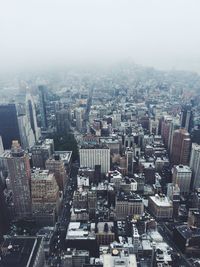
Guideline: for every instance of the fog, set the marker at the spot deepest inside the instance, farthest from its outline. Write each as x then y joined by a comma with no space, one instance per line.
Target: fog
164,34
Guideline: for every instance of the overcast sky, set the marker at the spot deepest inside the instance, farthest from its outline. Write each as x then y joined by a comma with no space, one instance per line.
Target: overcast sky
161,33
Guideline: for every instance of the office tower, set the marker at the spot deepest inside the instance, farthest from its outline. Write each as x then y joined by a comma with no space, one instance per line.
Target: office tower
174,125
57,166
89,157
165,129
182,175
173,193
9,129
44,196
32,116
40,153
187,118
4,218
79,114
42,105
129,158
180,151
195,165
62,122
19,174
128,204
1,146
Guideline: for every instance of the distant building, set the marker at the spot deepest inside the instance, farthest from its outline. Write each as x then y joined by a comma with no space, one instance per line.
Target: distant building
42,105
22,251
62,122
195,165
90,157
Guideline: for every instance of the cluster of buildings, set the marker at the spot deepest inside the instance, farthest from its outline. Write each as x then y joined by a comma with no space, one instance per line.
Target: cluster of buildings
134,196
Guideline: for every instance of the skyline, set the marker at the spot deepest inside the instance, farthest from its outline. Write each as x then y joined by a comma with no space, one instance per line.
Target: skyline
41,35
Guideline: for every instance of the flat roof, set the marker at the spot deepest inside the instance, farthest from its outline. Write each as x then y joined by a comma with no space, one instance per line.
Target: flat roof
19,251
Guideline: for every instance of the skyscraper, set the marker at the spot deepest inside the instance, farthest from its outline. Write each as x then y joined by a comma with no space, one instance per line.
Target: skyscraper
19,174
62,122
182,177
180,151
9,128
187,118
42,100
195,165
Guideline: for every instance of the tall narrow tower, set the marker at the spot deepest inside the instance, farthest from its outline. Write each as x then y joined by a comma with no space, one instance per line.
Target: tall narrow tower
19,180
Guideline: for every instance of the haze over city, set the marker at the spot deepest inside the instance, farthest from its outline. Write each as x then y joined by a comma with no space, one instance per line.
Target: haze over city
44,34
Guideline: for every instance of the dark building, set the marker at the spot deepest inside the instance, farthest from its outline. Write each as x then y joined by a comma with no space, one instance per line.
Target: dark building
62,122
187,239
9,129
187,118
22,251
43,99
4,217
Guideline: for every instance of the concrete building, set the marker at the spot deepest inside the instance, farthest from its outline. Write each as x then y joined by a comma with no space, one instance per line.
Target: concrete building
118,258
160,206
180,152
19,174
90,157
57,166
195,165
182,176
105,233
62,122
128,205
45,197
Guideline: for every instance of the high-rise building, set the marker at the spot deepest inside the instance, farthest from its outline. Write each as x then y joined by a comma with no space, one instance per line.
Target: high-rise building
1,146
195,165
180,151
42,152
4,218
182,175
128,205
42,105
9,128
32,116
45,196
89,157
19,174
174,125
57,166
62,122
79,114
165,129
187,118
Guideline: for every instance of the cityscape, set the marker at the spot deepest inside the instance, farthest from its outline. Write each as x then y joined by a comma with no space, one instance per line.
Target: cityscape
100,165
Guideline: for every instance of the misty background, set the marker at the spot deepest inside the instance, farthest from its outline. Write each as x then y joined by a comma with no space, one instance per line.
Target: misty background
37,34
